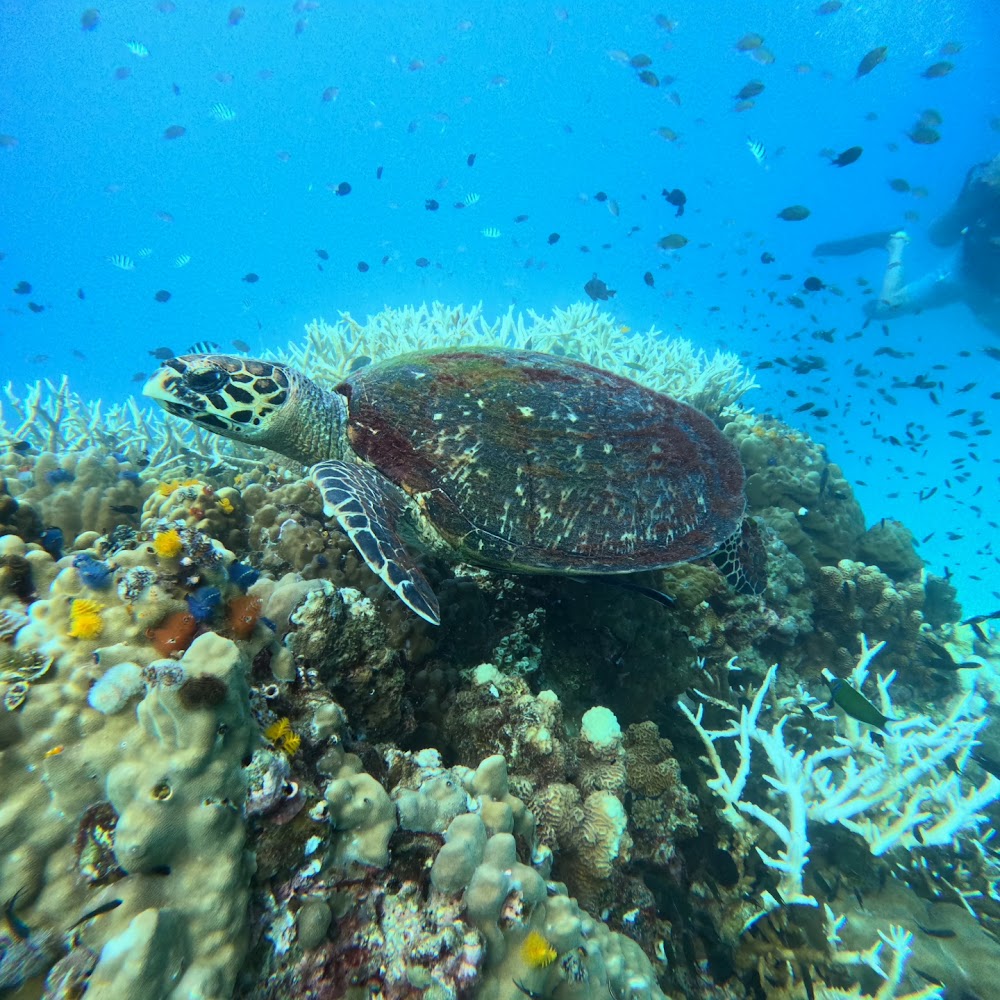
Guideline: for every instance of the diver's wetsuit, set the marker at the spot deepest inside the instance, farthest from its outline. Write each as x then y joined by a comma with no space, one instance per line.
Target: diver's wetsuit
972,274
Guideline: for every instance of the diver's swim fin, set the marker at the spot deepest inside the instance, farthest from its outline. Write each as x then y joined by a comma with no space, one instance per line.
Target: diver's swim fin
853,245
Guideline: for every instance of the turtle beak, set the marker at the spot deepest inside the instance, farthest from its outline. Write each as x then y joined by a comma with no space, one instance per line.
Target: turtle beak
159,385
166,387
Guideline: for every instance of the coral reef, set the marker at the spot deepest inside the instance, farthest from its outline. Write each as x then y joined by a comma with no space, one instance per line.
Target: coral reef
234,766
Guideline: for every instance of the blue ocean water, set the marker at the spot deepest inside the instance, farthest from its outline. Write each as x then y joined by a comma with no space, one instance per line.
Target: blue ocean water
545,99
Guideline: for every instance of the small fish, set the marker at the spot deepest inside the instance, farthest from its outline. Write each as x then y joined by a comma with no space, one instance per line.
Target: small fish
378,172
649,78
422,262
938,932
757,150
250,278
137,49
665,132
139,377
553,239
203,347
471,199
182,260
431,205
943,660
35,307
813,284
491,233
677,198
54,751
22,288
122,261
924,135
640,61
98,911
937,70
529,993
749,42
847,157
90,19
322,254
829,7
648,278
854,703
362,266
162,295
174,131
749,90
241,345
871,60
598,290
235,16
124,508
674,241
222,112
470,159
900,185
767,258
17,926
794,213
163,353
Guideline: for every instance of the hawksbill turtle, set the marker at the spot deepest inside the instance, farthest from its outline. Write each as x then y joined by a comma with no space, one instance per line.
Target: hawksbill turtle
508,459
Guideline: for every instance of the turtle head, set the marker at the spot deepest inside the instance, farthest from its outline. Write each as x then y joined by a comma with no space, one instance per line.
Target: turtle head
258,402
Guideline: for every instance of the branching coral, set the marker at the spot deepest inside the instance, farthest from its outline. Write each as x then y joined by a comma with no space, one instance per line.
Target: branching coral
897,791
670,365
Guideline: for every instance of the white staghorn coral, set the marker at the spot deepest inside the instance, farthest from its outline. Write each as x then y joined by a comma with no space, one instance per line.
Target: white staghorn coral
895,793
670,365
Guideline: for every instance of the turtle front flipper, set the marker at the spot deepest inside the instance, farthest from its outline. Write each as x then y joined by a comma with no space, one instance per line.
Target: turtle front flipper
367,506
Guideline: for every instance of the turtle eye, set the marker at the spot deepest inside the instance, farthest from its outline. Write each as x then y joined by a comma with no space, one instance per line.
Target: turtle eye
207,381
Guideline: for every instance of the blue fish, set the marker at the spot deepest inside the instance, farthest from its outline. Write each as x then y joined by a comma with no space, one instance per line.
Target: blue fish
93,573
203,602
56,476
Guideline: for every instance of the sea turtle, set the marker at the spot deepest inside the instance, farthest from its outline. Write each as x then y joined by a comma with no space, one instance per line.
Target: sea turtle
506,458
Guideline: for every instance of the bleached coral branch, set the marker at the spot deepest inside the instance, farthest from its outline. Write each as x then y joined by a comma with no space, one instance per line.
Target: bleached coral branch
896,793
730,789
671,365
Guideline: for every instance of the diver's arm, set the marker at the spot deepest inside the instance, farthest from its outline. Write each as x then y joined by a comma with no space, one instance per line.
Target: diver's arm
852,245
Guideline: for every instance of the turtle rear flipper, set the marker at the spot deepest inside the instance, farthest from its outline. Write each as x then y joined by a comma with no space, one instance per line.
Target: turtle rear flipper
742,560
367,507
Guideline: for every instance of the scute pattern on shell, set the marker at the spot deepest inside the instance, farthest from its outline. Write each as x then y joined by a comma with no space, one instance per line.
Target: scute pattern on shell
609,476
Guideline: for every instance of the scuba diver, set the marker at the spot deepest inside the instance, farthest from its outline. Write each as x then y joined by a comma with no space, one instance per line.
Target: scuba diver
970,275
